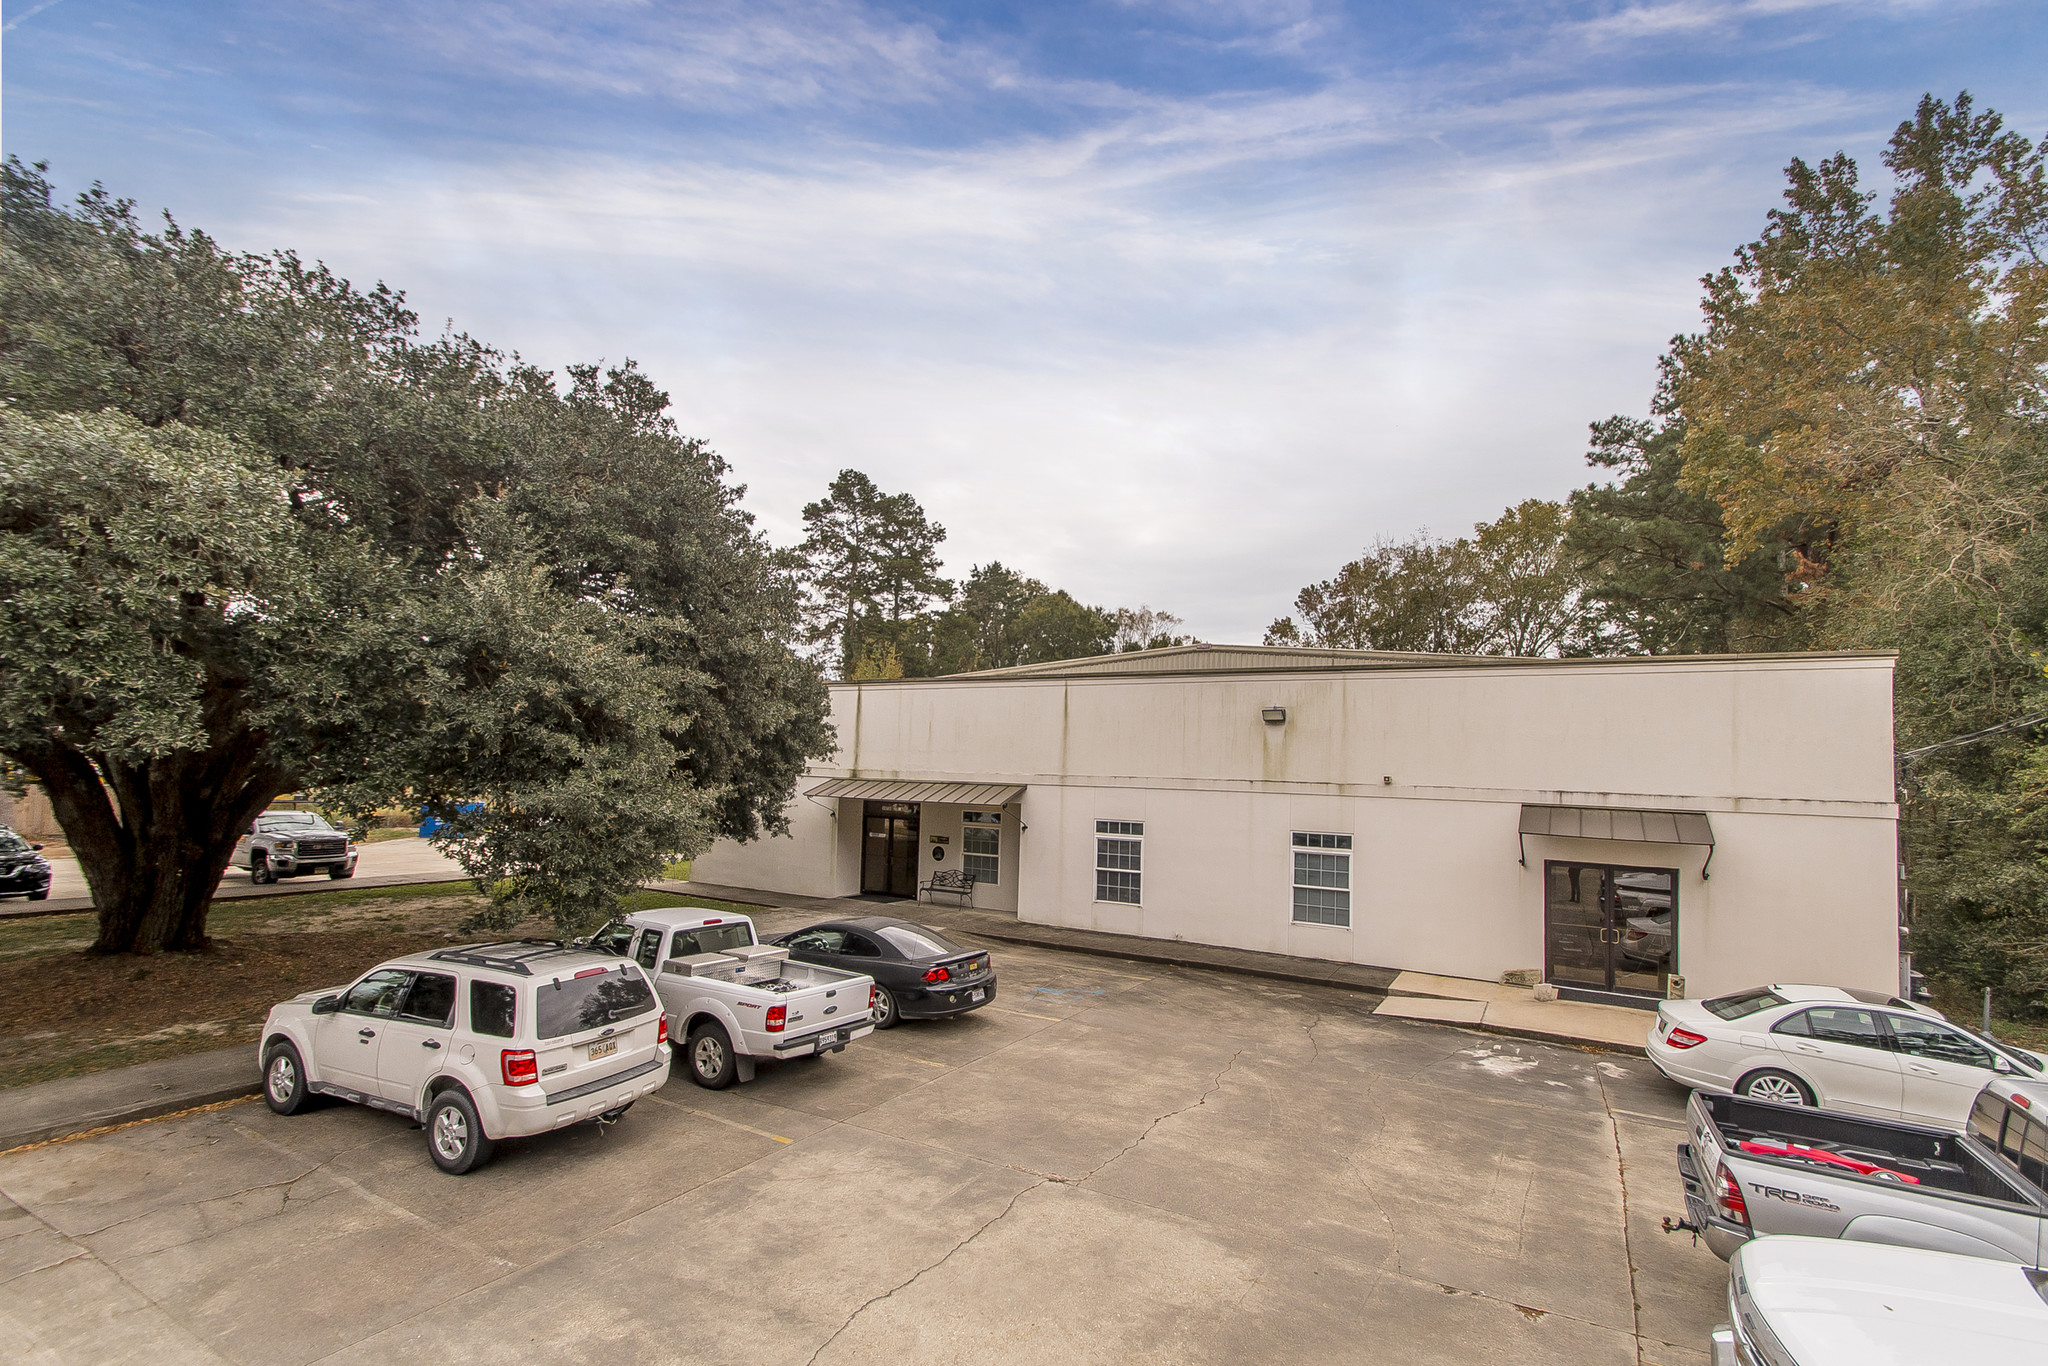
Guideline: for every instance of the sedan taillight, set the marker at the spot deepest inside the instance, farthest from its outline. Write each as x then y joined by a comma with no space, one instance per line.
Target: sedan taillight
937,975
519,1066
1684,1038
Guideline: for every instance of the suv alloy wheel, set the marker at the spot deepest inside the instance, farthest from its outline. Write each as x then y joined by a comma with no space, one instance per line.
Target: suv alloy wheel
455,1137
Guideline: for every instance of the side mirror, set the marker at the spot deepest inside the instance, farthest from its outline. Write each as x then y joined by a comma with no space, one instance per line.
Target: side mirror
2002,1067
35,846
327,1005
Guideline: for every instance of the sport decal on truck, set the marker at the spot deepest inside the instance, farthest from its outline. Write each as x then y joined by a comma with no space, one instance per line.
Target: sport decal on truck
1795,1198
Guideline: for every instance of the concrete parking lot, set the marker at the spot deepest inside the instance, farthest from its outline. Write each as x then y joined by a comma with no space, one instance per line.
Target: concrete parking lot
1113,1163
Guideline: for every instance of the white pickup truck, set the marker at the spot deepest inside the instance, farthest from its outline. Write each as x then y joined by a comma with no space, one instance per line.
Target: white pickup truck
1753,1167
1825,1302
731,999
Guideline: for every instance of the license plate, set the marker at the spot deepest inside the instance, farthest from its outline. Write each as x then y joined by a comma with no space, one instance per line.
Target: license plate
603,1048
977,995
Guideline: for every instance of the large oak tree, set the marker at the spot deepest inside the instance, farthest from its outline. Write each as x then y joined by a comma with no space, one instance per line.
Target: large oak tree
256,535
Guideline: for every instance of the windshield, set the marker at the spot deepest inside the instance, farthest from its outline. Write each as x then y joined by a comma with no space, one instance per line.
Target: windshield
11,843
292,822
1744,1003
575,1004
919,943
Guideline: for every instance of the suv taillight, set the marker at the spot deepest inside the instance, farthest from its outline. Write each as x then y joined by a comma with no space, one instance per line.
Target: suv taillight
661,1030
519,1066
1684,1038
777,1017
938,975
1729,1200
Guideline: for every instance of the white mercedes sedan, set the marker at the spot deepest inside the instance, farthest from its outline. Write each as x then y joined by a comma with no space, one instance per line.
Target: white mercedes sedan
1858,1051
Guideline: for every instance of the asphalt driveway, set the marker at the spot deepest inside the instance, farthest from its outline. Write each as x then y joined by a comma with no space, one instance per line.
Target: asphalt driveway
1115,1163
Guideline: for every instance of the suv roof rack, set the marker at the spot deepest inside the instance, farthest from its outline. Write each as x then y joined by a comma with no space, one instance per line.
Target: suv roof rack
505,956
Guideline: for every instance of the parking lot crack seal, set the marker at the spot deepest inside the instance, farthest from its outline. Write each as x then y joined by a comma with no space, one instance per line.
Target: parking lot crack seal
870,1303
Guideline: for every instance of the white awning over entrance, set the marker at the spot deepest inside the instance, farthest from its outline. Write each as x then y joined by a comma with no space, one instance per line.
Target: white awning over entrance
902,790
1618,823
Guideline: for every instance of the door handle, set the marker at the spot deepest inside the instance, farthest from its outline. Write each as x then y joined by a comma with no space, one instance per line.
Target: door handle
430,1043
366,1033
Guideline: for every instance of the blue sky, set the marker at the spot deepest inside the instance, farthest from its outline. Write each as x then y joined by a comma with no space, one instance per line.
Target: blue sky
1170,303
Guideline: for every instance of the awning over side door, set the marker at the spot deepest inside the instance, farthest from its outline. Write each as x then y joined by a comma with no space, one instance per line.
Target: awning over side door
1617,823
904,790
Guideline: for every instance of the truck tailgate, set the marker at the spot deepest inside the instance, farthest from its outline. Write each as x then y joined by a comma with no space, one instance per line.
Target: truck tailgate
839,1007
1956,1201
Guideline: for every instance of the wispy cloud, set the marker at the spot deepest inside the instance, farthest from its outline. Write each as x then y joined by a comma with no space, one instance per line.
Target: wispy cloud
1171,302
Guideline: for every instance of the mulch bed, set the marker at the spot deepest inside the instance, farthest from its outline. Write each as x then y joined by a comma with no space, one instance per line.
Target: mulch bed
63,1013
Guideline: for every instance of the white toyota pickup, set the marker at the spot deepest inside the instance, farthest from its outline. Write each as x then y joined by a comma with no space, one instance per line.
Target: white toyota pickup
732,999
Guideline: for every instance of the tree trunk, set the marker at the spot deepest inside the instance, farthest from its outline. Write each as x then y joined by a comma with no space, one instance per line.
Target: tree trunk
154,837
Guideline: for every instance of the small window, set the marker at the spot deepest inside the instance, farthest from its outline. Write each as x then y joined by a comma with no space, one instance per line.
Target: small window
431,1000
379,993
1322,879
1119,861
491,1007
650,945
981,845
708,939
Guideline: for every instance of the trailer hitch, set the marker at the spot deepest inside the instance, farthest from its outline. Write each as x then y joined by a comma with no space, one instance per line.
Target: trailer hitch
1682,1226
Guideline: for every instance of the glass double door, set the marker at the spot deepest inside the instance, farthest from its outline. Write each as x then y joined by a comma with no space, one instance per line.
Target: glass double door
1610,928
888,849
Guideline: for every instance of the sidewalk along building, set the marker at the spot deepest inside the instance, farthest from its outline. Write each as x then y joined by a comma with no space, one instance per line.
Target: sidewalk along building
1632,828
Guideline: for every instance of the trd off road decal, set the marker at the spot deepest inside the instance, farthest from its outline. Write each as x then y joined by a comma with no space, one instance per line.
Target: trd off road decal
1795,1198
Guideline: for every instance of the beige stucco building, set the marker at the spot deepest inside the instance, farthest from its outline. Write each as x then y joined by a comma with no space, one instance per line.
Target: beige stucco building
1727,820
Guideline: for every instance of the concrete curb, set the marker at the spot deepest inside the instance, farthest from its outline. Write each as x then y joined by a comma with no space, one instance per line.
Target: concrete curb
77,905
122,1095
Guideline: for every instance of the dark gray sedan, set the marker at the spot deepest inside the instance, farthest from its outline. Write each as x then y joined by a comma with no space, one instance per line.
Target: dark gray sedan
919,973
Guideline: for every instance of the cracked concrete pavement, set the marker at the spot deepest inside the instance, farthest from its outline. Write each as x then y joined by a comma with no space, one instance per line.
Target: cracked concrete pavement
1115,1162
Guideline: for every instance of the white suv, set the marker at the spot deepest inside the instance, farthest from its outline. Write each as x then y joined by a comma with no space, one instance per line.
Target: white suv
478,1043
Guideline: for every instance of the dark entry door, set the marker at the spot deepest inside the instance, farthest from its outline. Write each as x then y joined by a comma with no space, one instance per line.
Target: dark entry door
1610,928
888,849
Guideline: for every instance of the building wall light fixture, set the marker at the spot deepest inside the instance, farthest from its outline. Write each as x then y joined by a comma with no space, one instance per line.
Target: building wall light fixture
1275,716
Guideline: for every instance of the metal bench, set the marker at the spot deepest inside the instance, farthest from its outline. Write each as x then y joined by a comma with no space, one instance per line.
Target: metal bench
952,882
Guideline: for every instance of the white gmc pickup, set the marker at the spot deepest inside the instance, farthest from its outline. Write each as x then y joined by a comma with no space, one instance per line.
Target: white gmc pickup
732,1000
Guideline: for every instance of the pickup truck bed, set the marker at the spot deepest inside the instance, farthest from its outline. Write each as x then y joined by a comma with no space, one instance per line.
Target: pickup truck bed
1960,1196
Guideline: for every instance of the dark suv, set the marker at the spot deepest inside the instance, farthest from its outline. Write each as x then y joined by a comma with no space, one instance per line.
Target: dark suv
23,871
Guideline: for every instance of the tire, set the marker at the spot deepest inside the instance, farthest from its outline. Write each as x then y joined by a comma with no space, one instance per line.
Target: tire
284,1079
455,1136
338,872
259,870
886,1014
1772,1085
710,1058
43,895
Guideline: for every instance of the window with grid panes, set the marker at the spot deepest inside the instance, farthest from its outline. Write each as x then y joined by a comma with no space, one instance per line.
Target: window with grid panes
1119,860
1322,879
981,845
